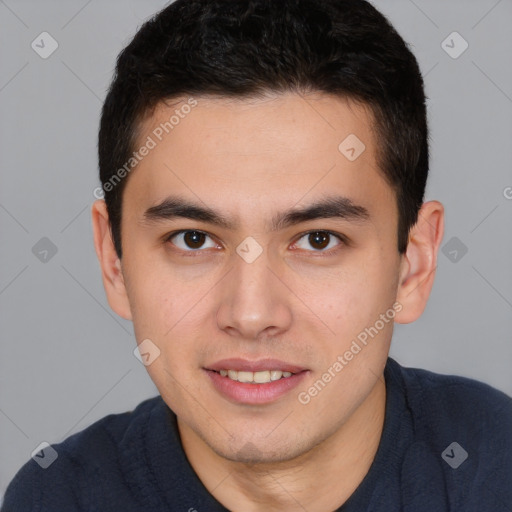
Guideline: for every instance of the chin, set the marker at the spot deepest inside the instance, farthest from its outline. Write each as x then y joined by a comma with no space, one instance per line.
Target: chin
259,451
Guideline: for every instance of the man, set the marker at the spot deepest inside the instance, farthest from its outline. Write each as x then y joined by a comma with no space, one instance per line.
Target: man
264,166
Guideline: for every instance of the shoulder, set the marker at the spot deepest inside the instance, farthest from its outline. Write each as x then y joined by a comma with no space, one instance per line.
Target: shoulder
82,462
455,399
110,431
464,428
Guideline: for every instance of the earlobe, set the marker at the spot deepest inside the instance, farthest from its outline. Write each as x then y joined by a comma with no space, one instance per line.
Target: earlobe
417,269
111,270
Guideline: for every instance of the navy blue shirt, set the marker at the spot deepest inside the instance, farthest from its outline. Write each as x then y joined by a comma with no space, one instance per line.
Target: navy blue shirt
446,446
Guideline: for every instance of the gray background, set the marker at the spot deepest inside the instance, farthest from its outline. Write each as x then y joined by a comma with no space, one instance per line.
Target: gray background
67,360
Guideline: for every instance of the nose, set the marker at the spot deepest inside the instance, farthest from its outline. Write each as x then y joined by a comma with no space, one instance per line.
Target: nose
255,300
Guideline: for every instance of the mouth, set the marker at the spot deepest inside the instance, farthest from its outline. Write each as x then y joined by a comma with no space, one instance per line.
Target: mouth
261,377
254,382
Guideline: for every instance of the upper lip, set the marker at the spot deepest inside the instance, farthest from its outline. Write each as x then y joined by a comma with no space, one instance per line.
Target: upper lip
261,365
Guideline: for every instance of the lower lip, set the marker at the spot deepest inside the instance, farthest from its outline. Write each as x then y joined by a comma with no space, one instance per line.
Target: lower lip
245,393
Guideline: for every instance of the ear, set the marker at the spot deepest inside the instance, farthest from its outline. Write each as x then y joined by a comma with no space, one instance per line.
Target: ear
418,265
111,270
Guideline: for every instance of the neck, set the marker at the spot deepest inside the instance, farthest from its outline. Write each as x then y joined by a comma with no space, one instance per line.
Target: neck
319,480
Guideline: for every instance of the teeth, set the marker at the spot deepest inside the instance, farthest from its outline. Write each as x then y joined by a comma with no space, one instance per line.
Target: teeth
276,374
244,376
255,377
260,377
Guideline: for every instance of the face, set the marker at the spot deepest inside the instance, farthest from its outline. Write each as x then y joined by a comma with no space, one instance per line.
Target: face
253,243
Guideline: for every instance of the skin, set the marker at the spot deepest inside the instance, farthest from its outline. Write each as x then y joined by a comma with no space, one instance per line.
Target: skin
250,159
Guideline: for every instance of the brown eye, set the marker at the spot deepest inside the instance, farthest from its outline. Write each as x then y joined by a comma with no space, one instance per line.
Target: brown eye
319,241
194,239
190,240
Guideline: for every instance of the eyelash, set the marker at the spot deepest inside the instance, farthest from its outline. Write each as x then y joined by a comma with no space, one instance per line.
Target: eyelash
197,252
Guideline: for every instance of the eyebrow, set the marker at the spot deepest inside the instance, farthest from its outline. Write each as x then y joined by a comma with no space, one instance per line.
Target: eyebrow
332,207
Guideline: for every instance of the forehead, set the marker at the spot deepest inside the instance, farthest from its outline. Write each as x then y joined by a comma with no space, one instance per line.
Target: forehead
258,154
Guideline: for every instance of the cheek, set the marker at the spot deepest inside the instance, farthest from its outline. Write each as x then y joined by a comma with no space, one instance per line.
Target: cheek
157,290
358,296
163,314
171,311
157,302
